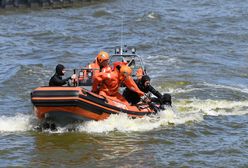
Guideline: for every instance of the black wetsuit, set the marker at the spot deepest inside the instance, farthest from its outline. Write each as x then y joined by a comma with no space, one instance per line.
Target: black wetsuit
133,98
56,79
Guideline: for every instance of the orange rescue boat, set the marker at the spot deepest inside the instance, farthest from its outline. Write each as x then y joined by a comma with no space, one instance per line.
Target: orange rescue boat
68,105
71,104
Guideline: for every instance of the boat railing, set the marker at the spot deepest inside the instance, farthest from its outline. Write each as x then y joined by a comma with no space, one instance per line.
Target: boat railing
84,76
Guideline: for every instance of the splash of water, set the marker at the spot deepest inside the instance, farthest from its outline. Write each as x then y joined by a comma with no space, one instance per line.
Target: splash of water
123,123
187,110
19,122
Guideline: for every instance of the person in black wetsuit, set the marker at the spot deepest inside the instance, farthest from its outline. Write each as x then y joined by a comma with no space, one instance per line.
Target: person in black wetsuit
144,85
56,79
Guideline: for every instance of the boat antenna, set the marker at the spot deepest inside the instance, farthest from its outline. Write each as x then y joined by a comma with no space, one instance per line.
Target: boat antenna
122,27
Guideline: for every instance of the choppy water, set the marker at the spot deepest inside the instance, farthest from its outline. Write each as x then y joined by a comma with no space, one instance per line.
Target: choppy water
195,50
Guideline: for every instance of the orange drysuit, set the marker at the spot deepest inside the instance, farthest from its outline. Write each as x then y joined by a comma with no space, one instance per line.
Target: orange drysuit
96,68
110,82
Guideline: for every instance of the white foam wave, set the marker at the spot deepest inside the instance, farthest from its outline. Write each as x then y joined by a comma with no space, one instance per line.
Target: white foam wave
151,15
183,90
123,123
187,110
214,107
19,122
190,88
234,88
58,130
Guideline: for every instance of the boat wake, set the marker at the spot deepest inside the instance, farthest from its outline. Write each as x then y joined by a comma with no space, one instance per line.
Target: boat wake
184,111
123,123
213,107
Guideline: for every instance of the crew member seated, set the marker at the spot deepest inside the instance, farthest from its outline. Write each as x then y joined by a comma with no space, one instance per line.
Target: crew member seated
56,79
144,85
107,84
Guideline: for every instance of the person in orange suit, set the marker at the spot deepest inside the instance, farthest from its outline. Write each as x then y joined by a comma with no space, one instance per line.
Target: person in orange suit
100,64
107,84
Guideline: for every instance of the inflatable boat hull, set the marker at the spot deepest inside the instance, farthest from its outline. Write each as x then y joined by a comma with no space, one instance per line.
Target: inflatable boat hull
66,105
